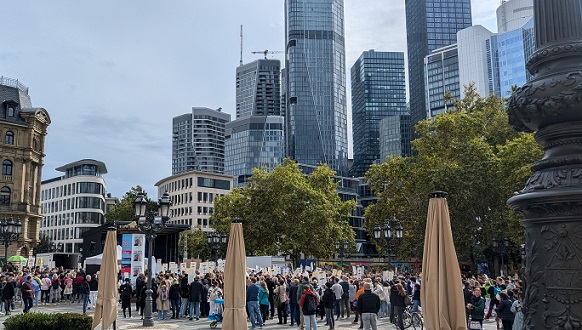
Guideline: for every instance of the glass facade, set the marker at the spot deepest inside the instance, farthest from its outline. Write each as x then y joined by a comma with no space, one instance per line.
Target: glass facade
395,135
431,24
378,90
258,89
316,83
442,78
198,141
253,142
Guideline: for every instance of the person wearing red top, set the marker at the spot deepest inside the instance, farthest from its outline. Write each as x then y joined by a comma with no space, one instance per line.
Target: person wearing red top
27,294
305,305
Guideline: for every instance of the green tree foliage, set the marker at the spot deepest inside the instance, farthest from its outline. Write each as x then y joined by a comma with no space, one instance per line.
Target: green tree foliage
197,244
473,154
286,211
44,245
123,211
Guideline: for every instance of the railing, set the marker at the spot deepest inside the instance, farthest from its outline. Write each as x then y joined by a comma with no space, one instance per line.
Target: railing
13,83
7,178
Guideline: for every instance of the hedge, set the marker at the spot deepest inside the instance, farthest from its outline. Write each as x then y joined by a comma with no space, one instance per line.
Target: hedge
36,321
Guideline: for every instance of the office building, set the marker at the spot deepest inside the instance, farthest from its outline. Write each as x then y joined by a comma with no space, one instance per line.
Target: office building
198,141
73,203
441,70
253,142
23,131
378,90
513,14
258,89
316,83
395,136
193,194
430,24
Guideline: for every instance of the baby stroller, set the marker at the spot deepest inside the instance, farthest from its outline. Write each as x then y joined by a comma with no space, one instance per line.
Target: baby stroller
216,315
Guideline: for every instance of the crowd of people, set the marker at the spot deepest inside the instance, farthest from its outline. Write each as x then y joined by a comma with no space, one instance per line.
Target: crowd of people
296,299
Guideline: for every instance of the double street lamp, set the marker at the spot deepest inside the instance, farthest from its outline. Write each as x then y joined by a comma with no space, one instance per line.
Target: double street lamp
341,247
215,240
10,231
389,236
150,223
501,248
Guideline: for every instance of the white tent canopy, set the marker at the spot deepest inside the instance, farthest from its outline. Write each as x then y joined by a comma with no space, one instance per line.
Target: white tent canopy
96,260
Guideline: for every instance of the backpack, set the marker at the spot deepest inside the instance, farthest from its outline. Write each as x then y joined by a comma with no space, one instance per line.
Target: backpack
164,293
309,305
55,284
126,292
496,290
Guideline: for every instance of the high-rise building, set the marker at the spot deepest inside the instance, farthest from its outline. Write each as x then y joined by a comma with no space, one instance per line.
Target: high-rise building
395,134
441,69
22,132
316,83
198,141
253,142
475,59
258,89
513,14
378,90
73,203
430,24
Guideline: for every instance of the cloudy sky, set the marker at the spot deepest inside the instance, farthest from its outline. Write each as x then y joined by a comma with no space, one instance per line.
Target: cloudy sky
112,74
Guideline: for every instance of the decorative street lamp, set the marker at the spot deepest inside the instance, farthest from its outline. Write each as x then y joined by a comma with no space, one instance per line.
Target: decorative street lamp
150,224
501,248
215,240
10,231
388,237
341,247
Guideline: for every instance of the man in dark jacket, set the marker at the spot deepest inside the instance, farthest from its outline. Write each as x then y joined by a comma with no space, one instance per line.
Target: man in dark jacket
467,294
139,284
271,287
328,302
368,307
345,302
393,297
184,295
196,290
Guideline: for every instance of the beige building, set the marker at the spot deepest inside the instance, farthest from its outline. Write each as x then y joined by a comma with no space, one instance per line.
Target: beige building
22,133
193,194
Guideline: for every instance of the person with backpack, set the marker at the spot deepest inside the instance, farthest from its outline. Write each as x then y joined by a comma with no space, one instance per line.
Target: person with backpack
163,301
125,293
308,304
493,291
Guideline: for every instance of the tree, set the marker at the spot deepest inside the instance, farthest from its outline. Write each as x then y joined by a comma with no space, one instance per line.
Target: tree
123,211
197,243
473,154
45,244
284,211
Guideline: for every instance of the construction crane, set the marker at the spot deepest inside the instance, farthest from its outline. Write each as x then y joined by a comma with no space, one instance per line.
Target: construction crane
266,51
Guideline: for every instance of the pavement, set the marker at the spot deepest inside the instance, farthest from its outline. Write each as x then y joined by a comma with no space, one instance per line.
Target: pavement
136,323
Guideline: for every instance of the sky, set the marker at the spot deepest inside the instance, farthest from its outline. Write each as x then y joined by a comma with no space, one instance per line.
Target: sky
113,74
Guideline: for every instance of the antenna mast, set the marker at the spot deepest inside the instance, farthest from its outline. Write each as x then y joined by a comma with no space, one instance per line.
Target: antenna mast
241,44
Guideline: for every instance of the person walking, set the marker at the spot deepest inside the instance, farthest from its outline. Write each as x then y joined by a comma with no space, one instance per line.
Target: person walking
294,302
368,307
308,304
476,307
345,302
338,291
196,290
328,302
504,311
280,298
163,300
252,300
398,305
264,300
27,294
85,291
125,293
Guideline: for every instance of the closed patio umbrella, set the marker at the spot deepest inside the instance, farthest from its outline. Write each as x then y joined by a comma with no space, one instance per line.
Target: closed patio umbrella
441,294
234,316
106,307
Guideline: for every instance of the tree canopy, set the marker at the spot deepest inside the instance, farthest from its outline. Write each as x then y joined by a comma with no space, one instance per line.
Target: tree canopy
123,211
197,244
470,152
286,211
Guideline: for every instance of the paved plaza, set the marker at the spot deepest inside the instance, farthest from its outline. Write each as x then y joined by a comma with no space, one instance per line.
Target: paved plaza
136,322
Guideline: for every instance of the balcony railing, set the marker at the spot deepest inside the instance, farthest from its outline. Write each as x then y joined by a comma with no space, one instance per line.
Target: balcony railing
7,178
13,83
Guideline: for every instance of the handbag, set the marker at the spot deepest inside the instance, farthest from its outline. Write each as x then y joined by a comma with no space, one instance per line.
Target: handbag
474,325
407,300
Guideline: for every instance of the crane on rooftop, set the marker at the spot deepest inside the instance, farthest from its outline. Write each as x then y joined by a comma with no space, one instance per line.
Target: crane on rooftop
266,52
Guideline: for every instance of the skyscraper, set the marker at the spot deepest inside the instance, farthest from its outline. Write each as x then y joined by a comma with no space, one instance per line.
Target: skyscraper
316,118
430,24
258,89
441,69
378,90
198,141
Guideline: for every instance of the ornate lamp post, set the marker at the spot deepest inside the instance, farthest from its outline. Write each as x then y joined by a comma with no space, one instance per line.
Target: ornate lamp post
215,240
151,224
341,247
10,231
389,237
501,248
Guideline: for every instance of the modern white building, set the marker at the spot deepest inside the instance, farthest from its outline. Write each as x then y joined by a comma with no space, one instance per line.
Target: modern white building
513,14
474,58
73,203
193,194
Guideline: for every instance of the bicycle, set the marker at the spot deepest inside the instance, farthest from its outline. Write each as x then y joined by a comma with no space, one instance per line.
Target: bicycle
410,318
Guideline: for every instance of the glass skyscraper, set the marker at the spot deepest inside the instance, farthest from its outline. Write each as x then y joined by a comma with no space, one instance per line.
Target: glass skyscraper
258,89
442,76
316,118
378,90
430,24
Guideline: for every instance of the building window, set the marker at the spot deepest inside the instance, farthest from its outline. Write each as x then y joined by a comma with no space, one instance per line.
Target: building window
6,167
5,196
9,138
10,112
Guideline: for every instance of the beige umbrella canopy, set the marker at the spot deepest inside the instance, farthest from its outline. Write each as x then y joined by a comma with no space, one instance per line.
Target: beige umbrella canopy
234,316
441,294
106,307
